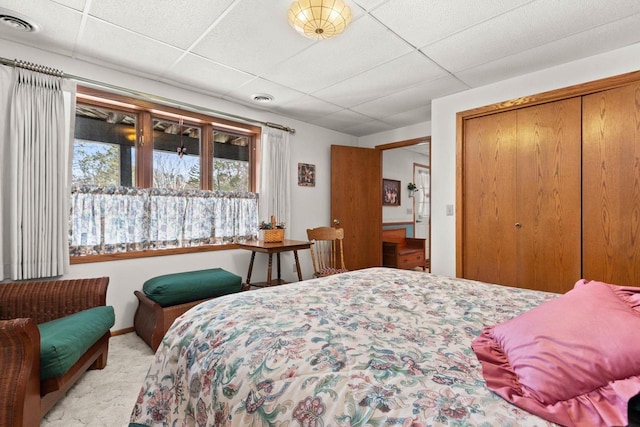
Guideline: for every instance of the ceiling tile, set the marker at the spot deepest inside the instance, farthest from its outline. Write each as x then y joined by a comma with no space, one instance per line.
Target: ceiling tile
341,119
393,76
369,4
410,99
270,41
364,45
175,22
307,108
421,114
597,40
420,22
369,79
210,76
532,25
109,43
367,128
58,25
75,4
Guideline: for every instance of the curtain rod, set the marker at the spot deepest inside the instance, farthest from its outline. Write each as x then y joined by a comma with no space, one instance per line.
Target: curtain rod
148,96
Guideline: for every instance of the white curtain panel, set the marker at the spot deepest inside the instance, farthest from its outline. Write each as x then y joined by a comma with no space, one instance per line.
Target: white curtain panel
424,194
37,119
275,176
6,83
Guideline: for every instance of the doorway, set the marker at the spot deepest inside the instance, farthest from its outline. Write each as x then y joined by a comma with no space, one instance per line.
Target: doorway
409,163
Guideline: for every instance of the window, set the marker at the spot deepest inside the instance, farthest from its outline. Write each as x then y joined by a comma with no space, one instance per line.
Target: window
176,155
231,165
148,176
104,147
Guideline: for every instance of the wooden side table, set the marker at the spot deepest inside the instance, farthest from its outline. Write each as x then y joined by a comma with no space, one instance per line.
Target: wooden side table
270,249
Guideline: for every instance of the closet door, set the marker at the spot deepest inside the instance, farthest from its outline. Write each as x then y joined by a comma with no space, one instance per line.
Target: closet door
489,241
548,196
611,186
521,180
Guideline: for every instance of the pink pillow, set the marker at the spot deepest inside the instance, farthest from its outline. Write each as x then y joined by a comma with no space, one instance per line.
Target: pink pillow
574,360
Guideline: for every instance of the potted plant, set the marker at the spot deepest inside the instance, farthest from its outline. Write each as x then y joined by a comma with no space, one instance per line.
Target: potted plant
412,188
271,231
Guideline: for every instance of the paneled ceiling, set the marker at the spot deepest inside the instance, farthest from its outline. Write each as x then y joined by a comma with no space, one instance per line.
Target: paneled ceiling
380,74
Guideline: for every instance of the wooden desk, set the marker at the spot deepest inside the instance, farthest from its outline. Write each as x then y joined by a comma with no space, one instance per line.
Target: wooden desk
273,248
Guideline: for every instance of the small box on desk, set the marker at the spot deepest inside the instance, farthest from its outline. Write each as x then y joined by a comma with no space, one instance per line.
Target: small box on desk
272,236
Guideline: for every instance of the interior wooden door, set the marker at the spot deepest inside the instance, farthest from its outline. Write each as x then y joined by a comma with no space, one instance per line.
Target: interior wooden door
356,203
548,181
611,186
489,240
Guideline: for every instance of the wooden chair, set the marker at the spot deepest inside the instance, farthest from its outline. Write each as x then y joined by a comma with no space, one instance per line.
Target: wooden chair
326,251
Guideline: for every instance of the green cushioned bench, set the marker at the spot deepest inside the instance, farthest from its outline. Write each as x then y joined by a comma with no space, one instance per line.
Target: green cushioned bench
63,341
166,297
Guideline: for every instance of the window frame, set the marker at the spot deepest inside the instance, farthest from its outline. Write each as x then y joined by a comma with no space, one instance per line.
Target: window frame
145,112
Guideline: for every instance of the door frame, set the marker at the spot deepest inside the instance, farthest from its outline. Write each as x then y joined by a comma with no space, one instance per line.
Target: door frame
409,143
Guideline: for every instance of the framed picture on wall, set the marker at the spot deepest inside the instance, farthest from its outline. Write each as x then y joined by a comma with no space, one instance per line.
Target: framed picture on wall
306,175
390,192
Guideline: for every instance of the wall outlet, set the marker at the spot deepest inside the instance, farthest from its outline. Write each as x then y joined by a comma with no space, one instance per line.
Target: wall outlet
409,211
449,210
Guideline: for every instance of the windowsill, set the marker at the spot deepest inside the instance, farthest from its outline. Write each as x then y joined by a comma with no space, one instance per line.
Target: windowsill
84,259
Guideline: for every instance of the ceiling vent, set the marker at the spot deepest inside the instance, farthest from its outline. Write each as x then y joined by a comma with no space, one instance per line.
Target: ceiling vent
17,22
262,98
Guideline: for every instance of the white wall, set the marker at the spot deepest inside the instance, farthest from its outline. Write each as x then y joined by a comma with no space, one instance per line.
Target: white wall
310,205
443,151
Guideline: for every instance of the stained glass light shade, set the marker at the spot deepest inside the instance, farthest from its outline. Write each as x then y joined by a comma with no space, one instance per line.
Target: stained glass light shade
319,19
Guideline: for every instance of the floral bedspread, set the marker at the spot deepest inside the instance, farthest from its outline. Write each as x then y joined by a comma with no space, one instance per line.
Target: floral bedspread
375,347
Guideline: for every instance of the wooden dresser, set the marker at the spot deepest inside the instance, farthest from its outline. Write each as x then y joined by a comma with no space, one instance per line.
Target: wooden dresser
403,252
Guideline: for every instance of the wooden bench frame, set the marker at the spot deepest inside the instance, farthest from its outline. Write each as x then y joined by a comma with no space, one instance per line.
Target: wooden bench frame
152,321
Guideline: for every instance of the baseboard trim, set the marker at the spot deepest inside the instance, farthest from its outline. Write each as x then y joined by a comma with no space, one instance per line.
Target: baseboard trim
122,331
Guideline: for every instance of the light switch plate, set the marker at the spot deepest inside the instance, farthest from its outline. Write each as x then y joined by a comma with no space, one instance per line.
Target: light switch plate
449,210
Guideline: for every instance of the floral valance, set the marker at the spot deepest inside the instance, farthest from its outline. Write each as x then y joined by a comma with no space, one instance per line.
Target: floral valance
121,219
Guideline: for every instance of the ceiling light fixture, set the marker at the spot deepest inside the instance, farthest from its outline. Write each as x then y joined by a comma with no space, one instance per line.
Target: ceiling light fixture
17,21
263,98
319,19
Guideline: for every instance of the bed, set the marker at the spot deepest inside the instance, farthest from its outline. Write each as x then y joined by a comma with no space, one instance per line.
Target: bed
374,347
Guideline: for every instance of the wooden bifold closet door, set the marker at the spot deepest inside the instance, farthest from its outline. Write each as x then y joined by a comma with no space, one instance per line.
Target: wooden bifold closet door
521,180
611,186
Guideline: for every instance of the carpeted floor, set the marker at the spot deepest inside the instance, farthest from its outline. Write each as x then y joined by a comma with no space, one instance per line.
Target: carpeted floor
105,398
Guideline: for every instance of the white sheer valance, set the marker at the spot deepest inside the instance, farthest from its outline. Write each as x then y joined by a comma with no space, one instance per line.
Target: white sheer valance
121,219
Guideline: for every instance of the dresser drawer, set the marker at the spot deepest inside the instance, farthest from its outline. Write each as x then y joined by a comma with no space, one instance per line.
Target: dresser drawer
411,260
